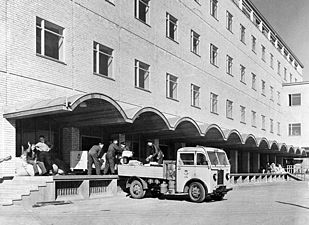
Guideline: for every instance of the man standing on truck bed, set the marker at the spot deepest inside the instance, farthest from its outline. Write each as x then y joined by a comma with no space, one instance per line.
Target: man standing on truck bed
154,153
93,157
113,149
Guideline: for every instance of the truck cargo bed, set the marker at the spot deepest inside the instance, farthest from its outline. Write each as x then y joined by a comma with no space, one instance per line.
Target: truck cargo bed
141,171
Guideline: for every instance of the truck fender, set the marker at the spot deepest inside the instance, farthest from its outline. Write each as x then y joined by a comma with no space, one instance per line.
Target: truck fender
129,181
186,187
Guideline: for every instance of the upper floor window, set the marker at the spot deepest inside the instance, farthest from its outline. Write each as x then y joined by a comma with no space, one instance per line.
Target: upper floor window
229,21
253,118
242,114
49,39
171,86
278,128
229,109
142,10
285,74
263,53
195,42
171,27
278,98
279,68
263,122
213,8
242,34
213,54
229,64
271,93
253,44
271,60
213,103
253,84
294,99
271,126
295,129
102,60
291,78
263,88
242,73
195,95
142,75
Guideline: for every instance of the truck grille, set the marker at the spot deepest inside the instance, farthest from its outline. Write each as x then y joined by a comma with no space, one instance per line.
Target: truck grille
220,177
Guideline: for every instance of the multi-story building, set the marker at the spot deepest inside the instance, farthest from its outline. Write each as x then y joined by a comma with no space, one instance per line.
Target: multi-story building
182,72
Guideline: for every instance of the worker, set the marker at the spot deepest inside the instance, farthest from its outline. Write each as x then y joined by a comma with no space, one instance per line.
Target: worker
93,157
154,153
113,150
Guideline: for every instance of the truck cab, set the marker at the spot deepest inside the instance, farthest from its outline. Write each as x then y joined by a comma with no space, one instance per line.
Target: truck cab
202,171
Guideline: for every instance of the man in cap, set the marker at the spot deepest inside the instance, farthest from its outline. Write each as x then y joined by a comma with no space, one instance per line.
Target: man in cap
113,150
93,157
154,153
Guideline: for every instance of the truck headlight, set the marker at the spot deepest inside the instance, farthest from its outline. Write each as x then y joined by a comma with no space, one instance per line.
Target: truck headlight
214,177
227,176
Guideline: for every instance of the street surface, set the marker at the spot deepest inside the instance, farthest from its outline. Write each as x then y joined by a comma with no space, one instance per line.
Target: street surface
277,203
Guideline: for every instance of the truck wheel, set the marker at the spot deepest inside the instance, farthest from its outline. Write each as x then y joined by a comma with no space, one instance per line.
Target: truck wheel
137,190
197,192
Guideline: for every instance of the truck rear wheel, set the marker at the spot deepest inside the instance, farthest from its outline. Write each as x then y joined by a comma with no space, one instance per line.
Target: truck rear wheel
197,192
136,189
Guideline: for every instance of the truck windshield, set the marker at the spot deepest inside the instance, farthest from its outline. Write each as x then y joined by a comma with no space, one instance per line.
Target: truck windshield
218,158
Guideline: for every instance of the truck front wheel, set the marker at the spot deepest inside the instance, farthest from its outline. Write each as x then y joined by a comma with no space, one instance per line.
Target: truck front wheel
137,190
197,192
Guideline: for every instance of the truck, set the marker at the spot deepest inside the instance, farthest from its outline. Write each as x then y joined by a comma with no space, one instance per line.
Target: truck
198,172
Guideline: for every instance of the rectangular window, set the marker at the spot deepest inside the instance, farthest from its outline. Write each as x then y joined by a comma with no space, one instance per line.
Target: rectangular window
285,74
229,21
171,86
213,54
242,74
278,128
263,123
213,103
271,93
295,129
271,60
253,118
195,42
242,34
279,68
213,8
195,95
229,64
142,75
186,159
242,114
102,60
278,98
142,10
253,44
253,85
263,88
171,27
271,125
294,99
49,39
263,53
229,109
291,78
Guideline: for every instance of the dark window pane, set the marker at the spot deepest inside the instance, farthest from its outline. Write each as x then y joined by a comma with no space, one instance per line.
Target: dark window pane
103,64
94,62
38,40
142,12
51,45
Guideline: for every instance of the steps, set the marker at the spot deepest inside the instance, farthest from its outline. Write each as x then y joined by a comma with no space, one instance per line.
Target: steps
21,187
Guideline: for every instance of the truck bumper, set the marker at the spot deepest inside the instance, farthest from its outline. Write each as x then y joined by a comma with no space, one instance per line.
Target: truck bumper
222,190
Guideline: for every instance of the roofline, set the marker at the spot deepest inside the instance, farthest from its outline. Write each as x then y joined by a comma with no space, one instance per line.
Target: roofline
295,83
274,31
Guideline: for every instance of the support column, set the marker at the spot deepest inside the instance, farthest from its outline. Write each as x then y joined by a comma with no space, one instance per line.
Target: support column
272,159
256,162
234,161
245,161
70,143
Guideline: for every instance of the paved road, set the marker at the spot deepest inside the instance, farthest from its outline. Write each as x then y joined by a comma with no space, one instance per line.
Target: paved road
281,203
